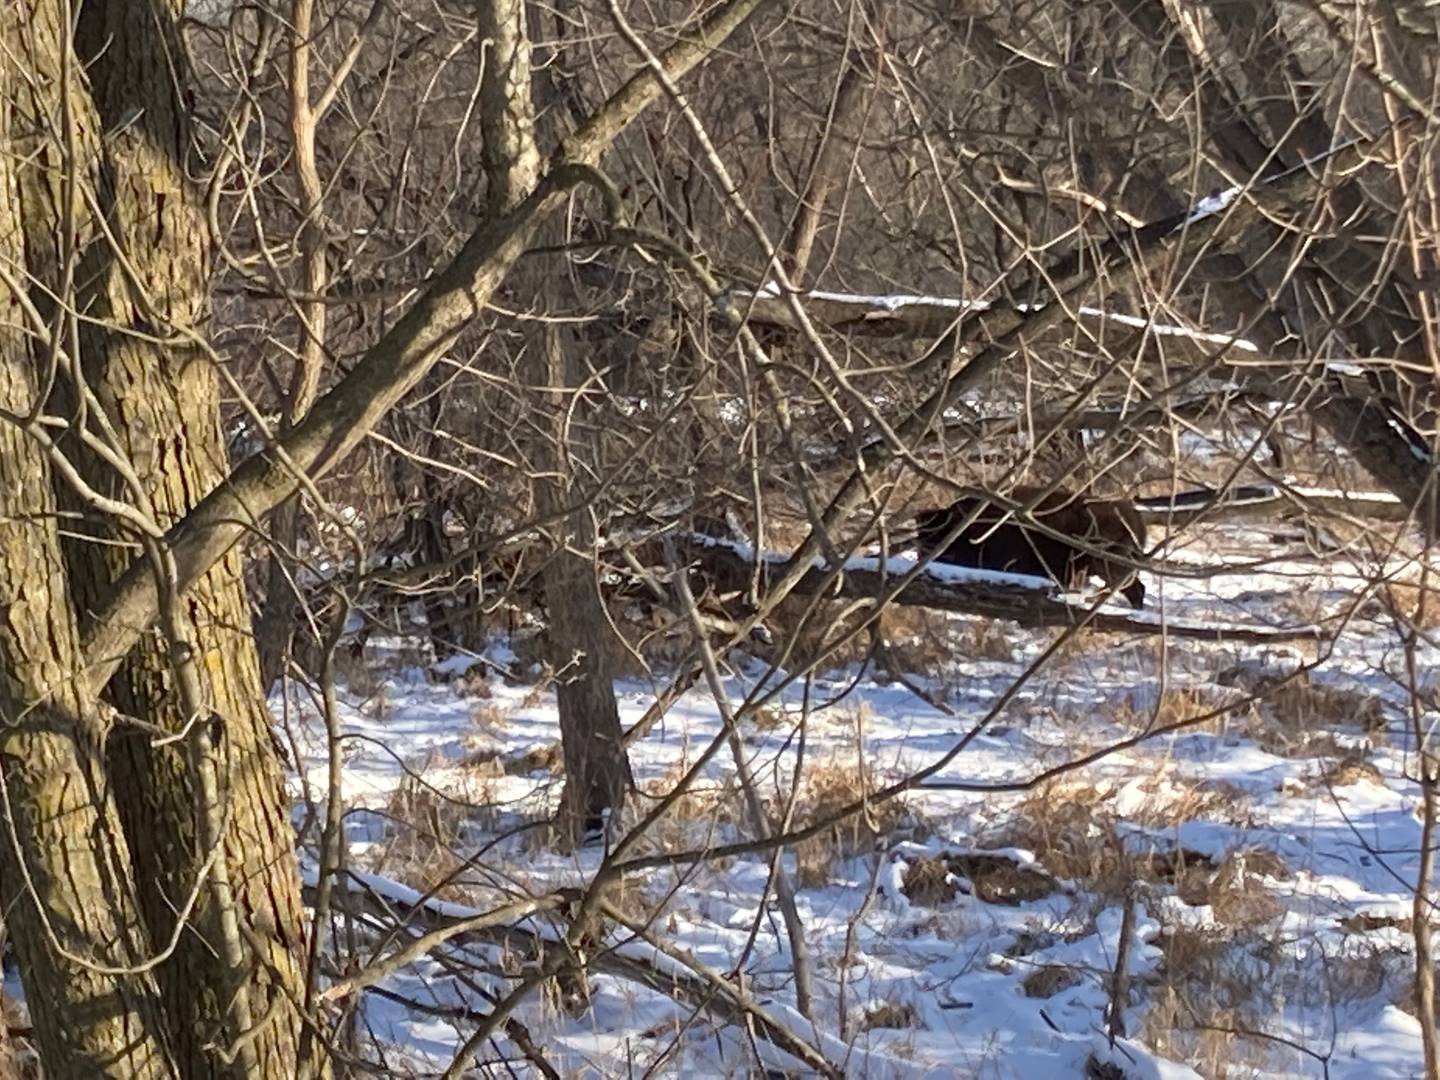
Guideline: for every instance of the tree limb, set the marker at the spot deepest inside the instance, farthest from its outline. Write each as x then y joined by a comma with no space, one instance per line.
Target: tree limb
391,367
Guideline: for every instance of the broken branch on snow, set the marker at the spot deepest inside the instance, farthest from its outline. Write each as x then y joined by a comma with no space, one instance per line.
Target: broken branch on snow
1030,601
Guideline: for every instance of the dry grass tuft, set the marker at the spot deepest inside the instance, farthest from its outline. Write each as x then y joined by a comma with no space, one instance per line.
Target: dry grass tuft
918,639
1303,718
1170,799
548,759
1072,831
1352,769
984,639
379,704
1177,705
1237,891
827,788
1049,980
1419,607
890,1014
998,879
1302,705
1208,980
427,830
473,683
488,717
1362,923
766,718
694,816
929,883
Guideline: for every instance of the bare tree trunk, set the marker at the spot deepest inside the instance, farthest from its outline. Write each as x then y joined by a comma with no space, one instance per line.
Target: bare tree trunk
1421,913
837,142
277,621
597,770
1422,908
157,406
65,879
65,885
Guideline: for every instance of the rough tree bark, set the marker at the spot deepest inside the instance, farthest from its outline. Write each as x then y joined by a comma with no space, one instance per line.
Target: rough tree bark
597,770
65,882
828,166
143,287
99,1023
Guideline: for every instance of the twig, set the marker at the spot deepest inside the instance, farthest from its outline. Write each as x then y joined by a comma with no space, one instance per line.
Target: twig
1120,978
420,946
767,1027
784,892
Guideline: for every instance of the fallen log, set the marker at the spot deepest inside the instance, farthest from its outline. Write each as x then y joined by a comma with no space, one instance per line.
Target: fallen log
908,317
1030,601
1264,502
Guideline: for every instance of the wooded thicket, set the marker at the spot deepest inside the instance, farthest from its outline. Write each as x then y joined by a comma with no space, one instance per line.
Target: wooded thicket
460,317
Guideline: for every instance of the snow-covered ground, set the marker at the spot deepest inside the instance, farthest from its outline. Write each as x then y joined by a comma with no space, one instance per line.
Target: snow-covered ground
1269,854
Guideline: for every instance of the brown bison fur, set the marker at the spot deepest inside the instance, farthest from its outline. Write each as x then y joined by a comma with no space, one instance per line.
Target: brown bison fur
996,541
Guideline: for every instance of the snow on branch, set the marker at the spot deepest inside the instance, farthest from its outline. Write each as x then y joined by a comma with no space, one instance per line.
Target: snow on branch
931,316
1030,601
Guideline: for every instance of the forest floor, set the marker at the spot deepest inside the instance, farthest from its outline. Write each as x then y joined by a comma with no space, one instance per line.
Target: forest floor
1270,853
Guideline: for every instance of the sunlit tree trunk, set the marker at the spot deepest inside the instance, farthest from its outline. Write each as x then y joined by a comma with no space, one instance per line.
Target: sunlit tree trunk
144,291
597,772
65,881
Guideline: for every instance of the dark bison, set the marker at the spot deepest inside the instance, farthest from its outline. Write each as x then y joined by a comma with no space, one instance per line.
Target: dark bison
1092,526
